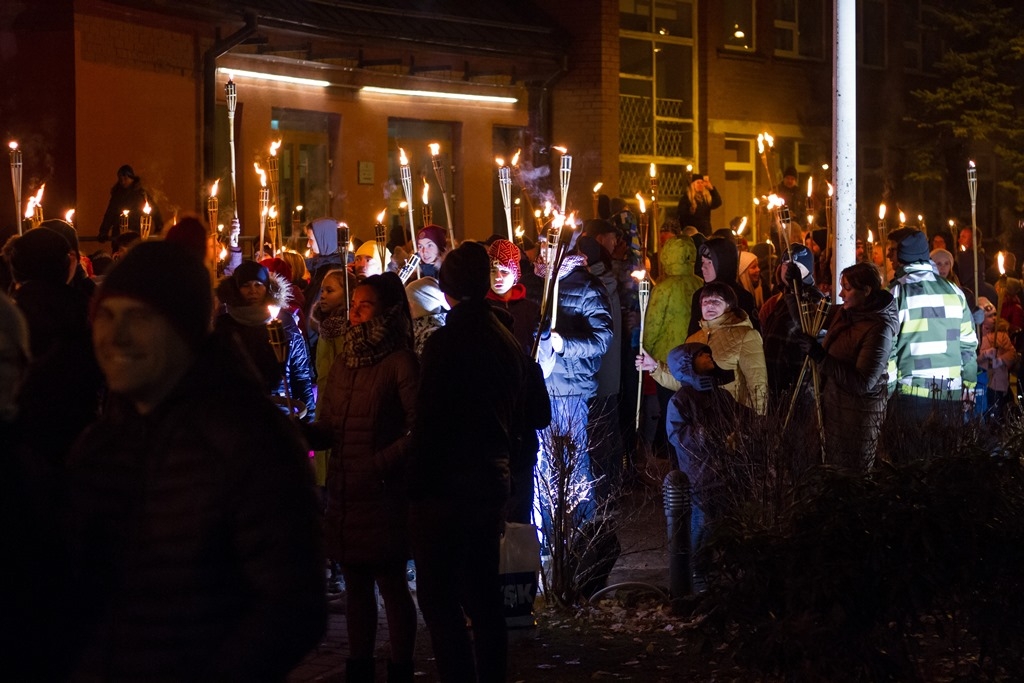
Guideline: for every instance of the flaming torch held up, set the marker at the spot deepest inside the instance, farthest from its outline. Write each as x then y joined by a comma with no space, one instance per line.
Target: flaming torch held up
654,201
16,170
146,221
643,229
435,160
34,210
380,234
272,225
428,215
272,172
123,221
517,221
644,297
764,139
231,95
505,185
406,175
69,217
213,204
264,201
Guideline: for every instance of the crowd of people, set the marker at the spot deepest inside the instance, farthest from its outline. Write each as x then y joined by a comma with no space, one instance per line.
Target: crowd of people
196,440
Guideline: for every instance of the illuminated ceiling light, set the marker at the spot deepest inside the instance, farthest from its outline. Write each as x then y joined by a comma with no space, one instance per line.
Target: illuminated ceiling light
274,77
440,95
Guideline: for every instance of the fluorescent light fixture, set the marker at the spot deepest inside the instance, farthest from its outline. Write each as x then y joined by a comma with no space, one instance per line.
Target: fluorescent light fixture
295,80
440,95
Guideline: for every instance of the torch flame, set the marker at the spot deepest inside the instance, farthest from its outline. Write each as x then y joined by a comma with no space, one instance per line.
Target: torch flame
69,216
810,186
547,208
638,275
213,188
39,194
30,210
273,311
273,148
742,226
971,163
563,150
654,171
757,202
125,212
515,158
536,213
903,218
881,212
1001,261
403,205
223,254
558,221
380,216
760,143
517,201
598,187
871,237
261,172
520,232
12,144
769,139
273,211
499,161
147,209
689,168
402,159
829,189
426,191
435,149
643,207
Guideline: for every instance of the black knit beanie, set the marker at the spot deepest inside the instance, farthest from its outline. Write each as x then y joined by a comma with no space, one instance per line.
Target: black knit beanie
466,272
169,278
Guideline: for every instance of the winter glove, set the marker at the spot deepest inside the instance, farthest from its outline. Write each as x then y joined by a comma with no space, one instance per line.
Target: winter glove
793,274
809,346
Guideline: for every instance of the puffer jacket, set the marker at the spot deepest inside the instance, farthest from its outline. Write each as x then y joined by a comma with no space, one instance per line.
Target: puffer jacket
370,410
735,345
242,325
585,325
858,344
667,322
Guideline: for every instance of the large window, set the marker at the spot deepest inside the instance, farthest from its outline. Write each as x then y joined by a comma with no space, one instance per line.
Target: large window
656,88
738,24
799,28
871,30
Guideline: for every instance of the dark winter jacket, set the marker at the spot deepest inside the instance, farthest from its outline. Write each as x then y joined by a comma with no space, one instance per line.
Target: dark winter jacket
584,322
134,199
782,356
246,327
699,217
699,415
858,345
609,374
725,258
195,536
60,395
478,394
525,314
370,411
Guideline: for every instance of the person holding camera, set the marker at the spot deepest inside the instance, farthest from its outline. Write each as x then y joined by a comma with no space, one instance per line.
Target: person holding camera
696,205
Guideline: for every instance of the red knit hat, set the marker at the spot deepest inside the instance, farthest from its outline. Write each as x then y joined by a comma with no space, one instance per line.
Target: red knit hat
506,254
434,233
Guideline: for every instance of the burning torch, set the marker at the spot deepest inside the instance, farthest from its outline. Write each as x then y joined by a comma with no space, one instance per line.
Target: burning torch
380,234
406,174
264,201
564,174
435,160
213,204
883,239
428,215
146,221
274,188
972,186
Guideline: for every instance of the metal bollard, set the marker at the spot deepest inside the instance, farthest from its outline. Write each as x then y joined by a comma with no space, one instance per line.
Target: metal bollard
676,492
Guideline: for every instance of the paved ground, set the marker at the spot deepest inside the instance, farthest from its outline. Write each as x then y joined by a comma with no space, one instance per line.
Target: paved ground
643,559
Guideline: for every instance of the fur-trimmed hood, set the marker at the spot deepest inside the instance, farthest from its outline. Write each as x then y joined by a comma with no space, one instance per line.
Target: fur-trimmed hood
279,292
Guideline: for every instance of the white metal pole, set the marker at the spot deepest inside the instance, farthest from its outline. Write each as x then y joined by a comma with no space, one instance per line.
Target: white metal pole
844,137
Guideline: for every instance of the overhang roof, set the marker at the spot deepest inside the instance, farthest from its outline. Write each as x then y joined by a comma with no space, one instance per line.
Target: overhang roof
492,28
